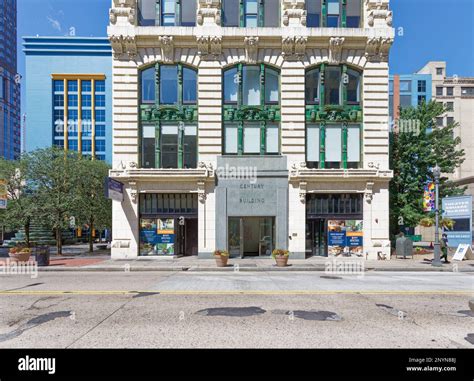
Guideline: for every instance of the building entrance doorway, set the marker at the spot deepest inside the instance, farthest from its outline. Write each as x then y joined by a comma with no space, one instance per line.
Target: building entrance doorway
251,236
316,234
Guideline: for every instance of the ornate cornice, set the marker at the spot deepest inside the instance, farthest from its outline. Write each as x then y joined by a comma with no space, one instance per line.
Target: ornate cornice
124,45
294,13
378,13
209,12
167,48
251,49
209,47
123,12
377,49
335,49
294,47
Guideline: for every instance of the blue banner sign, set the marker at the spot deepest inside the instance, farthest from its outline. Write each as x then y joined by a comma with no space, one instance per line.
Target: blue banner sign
458,209
114,189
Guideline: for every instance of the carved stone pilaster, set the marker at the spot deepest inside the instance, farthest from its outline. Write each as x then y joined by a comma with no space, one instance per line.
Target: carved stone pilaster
378,13
294,47
124,45
294,13
209,47
369,192
251,49
335,49
303,191
209,12
133,191
377,49
123,12
167,48
202,196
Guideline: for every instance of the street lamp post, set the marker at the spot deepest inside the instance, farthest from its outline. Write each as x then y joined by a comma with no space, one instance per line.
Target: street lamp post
437,250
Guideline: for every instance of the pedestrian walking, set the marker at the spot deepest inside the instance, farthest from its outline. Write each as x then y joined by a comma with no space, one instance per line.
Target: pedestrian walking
444,247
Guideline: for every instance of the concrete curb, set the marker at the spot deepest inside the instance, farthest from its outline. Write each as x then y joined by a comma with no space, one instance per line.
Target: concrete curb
232,269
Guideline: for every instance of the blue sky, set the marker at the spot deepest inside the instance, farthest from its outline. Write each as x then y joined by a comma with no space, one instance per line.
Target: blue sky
431,30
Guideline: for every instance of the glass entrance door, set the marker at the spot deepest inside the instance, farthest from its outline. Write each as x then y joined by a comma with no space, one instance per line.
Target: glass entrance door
318,229
251,236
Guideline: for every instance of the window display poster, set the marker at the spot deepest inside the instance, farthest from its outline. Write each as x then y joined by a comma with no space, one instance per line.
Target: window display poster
345,238
148,236
166,237
157,236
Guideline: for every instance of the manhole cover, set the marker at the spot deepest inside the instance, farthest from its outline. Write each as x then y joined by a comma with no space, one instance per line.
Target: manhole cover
232,311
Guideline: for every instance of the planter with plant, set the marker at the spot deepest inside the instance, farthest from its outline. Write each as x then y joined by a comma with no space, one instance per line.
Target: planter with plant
281,257
20,253
221,256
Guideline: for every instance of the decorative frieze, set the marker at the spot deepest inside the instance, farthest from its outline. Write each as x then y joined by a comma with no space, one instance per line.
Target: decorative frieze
209,12
294,47
294,13
378,13
377,49
209,47
167,48
123,12
124,45
335,49
251,49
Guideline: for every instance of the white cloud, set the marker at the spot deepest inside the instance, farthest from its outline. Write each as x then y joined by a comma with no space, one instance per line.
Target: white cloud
54,23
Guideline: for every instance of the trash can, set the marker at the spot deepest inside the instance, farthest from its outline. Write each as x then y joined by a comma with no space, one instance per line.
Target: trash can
404,247
42,255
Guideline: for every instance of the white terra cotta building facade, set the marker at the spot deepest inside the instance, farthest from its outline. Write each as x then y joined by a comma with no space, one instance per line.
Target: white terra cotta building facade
251,125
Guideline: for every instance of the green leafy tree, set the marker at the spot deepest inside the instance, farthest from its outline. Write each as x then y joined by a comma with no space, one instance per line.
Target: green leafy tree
416,148
93,208
20,206
53,176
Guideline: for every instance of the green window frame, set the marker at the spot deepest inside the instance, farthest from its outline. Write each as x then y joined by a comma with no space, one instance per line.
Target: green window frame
157,12
341,121
258,109
323,13
262,15
156,118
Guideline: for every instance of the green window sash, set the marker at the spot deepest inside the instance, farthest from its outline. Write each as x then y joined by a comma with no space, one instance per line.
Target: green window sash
322,143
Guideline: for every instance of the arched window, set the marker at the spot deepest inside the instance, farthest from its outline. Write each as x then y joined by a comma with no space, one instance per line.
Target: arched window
333,117
251,95
168,117
333,13
251,13
167,12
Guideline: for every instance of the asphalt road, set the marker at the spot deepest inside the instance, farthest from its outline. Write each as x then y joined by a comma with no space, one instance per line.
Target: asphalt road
194,310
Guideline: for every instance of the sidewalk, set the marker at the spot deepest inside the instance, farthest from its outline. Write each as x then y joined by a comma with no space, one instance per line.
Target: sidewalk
104,263
77,258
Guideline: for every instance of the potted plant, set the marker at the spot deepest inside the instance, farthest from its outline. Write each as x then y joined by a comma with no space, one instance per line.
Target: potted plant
281,257
20,253
221,256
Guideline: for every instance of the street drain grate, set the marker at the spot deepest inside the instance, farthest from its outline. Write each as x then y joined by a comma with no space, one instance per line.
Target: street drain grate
330,277
232,311
315,315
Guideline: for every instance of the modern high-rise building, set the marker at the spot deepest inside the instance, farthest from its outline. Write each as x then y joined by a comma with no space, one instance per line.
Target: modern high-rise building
10,120
250,126
408,90
457,95
69,94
